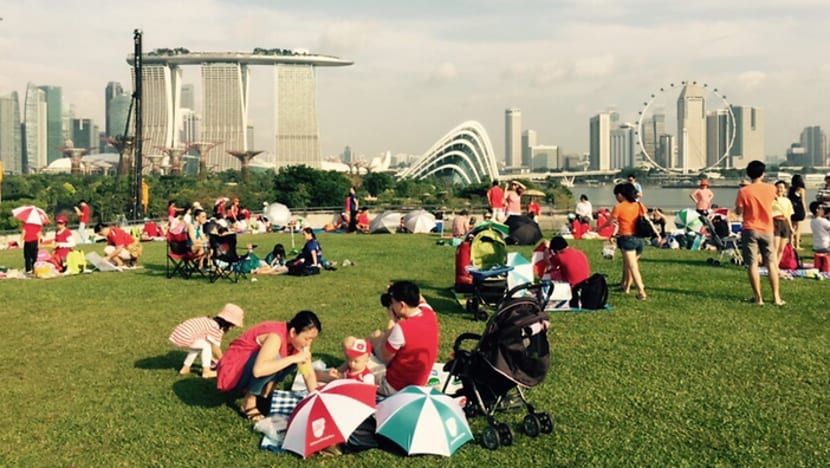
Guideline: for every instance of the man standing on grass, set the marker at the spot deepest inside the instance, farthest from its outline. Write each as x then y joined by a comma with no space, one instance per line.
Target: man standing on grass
754,202
495,198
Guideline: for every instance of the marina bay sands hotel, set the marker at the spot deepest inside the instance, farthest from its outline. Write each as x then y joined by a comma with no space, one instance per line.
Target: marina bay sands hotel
225,102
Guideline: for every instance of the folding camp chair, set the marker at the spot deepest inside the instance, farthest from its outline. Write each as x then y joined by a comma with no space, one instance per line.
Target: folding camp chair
181,260
226,263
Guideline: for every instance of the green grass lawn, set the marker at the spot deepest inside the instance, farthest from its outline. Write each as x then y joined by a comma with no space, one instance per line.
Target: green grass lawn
693,376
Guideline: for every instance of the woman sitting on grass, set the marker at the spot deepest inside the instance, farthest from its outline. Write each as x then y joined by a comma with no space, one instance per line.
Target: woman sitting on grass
264,355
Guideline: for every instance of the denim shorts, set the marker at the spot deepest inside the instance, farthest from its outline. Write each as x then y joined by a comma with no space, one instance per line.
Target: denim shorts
256,385
629,243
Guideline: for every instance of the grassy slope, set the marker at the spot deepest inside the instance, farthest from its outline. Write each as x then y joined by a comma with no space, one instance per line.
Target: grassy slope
690,377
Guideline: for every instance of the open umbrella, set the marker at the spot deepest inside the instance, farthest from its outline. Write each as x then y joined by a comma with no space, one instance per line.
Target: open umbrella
31,214
278,215
328,416
522,271
688,219
419,221
423,420
386,222
533,193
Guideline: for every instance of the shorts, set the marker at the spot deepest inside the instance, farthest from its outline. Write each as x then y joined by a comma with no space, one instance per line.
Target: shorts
753,244
257,385
781,228
629,243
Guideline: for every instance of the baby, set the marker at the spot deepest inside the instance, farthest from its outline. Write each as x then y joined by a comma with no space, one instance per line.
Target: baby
357,353
202,336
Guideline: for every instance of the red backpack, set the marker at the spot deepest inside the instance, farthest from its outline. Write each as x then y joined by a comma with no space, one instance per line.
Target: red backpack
789,259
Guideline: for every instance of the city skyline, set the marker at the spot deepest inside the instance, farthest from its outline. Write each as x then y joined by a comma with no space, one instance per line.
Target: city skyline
423,68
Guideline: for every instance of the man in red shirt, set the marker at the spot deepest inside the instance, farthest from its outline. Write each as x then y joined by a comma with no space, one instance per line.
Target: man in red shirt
84,213
495,198
119,242
410,344
754,202
567,263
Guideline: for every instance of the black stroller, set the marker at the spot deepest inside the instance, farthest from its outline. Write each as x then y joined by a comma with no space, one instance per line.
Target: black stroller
719,234
512,353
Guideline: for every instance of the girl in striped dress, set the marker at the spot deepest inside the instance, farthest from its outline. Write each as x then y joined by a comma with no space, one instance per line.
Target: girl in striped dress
202,336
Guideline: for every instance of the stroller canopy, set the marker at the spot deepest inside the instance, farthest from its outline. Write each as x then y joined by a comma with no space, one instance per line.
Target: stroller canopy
487,249
523,231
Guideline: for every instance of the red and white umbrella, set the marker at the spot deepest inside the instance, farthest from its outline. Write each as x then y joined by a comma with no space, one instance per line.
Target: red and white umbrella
31,214
328,416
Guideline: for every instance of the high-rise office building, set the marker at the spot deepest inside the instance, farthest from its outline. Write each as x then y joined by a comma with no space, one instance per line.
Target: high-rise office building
667,151
117,111
749,137
814,142
34,130
11,143
112,90
225,112
528,142
691,127
653,127
191,123
600,142
622,146
718,132
161,92
298,136
512,136
544,158
54,122
188,96
84,133
347,155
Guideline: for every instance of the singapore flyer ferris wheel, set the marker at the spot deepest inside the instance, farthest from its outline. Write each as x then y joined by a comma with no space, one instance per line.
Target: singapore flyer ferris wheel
691,150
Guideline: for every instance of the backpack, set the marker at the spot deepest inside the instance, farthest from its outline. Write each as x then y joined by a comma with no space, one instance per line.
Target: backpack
591,294
789,259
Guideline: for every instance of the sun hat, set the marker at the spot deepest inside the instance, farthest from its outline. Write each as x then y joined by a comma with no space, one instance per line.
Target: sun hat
232,314
358,348
61,219
197,205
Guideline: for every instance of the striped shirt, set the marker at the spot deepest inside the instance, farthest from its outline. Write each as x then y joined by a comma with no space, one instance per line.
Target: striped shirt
200,328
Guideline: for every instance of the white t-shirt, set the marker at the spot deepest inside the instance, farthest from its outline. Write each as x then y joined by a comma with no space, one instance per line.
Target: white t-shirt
584,209
821,233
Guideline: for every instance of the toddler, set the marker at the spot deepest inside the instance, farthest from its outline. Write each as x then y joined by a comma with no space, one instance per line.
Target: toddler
357,360
203,336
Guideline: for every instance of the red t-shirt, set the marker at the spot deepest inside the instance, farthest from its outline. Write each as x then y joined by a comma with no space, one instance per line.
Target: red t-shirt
232,364
119,238
62,236
414,357
85,214
495,197
755,201
534,207
573,265
31,232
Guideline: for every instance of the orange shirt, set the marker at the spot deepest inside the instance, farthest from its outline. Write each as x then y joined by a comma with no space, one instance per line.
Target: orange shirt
626,214
755,203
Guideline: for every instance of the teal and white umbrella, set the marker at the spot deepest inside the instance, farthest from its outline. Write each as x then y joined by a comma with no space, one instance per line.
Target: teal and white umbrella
423,420
688,219
522,271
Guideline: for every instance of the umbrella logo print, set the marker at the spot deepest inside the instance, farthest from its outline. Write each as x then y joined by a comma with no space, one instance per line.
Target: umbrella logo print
318,427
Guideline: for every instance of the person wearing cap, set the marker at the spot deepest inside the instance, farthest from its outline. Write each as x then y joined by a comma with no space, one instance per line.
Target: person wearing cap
567,263
202,336
64,241
121,247
703,197
357,353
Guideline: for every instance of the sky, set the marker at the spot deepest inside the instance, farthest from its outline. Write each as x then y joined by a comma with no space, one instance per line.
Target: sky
423,67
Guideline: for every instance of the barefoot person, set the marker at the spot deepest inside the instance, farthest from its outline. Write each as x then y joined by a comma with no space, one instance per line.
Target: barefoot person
754,203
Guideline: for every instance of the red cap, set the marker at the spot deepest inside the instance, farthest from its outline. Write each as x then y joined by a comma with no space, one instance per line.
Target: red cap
359,348
704,183
61,219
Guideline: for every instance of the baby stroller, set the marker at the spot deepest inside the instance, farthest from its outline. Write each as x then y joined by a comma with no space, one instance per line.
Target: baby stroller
719,234
512,353
481,269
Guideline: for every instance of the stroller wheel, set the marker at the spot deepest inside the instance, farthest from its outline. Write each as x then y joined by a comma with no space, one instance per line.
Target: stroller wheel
545,423
531,425
710,261
490,438
716,262
480,314
505,434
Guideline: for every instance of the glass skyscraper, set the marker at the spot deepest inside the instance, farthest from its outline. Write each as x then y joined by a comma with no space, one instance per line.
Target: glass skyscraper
298,137
34,130
11,153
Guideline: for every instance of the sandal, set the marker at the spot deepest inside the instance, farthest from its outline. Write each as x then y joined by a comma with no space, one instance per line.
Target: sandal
252,414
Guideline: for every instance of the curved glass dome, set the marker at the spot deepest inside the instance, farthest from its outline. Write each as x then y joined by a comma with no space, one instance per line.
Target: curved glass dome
464,153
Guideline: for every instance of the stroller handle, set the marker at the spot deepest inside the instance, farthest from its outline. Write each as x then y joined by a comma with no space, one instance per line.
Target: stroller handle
464,337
